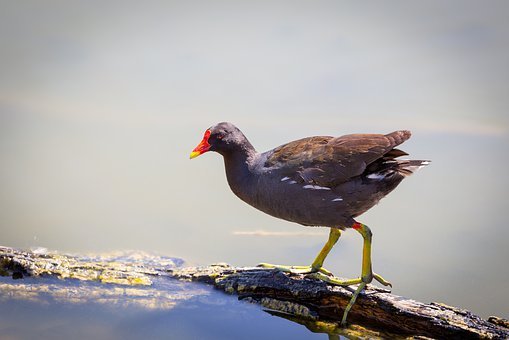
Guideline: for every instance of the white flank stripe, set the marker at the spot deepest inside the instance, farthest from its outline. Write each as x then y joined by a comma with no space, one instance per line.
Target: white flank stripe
315,187
285,179
337,199
375,176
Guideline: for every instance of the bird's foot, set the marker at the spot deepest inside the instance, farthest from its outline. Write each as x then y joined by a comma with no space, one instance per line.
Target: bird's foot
348,282
297,269
323,274
361,281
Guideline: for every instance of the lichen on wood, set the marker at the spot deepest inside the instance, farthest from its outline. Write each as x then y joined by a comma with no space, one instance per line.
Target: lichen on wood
17,263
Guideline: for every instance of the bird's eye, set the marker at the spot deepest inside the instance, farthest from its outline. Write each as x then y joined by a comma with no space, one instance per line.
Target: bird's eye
219,137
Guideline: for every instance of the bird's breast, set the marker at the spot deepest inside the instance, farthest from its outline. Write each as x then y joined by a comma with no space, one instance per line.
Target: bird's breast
302,203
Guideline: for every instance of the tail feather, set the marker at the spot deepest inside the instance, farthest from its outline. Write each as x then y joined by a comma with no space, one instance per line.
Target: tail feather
398,137
394,153
408,167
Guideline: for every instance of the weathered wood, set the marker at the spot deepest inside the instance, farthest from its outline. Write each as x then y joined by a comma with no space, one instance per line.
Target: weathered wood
376,308
296,297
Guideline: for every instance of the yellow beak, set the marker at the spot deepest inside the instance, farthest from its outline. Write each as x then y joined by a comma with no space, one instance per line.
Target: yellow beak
194,154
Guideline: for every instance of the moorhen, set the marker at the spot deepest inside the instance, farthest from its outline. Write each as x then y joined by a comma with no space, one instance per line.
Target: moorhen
315,181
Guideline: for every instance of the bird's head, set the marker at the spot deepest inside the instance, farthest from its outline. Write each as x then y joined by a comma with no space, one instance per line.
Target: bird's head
223,138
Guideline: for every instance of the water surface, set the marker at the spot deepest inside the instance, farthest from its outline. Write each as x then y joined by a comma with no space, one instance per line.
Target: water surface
51,308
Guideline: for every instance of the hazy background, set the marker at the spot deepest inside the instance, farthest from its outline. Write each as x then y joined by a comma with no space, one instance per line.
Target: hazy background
101,103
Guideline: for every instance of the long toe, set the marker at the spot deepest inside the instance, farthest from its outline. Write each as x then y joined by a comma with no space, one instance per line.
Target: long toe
382,280
289,269
335,280
296,269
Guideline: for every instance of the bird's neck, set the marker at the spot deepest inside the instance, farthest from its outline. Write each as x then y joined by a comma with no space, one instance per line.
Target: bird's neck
239,169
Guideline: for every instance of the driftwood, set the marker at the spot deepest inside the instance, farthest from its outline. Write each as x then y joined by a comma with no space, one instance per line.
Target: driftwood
376,308
315,304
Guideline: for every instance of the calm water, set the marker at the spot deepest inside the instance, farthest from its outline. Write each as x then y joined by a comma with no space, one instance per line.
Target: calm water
48,308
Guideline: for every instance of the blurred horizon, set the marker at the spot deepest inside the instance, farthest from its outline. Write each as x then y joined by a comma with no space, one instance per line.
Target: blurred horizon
101,104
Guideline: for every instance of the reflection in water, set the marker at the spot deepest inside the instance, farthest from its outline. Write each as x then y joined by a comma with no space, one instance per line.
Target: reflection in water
335,331
163,295
48,308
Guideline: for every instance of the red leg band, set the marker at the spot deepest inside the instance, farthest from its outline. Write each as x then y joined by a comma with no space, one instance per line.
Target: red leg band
357,225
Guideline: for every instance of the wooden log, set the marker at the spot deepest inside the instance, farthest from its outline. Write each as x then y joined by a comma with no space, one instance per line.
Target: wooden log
313,303
376,308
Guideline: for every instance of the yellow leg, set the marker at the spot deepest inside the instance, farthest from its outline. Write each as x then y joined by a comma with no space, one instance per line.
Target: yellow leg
317,271
317,264
320,258
367,274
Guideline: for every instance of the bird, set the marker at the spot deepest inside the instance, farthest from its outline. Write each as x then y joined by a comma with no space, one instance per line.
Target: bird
320,181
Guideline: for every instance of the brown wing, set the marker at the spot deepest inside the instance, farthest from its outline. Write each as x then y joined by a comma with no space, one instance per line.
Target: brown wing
328,161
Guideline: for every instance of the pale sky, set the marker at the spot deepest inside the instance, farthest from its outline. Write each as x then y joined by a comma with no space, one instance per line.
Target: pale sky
101,103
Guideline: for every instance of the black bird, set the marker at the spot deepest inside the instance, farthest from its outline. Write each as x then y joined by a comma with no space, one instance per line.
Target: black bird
315,181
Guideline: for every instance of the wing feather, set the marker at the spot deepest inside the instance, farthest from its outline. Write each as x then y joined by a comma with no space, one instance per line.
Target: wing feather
328,161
